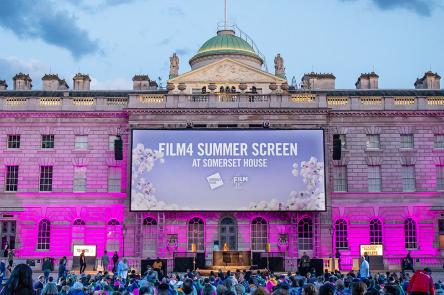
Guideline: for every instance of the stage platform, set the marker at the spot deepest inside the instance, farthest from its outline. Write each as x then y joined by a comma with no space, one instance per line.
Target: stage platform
232,268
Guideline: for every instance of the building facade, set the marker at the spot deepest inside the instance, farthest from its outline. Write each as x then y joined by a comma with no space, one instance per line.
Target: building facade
62,186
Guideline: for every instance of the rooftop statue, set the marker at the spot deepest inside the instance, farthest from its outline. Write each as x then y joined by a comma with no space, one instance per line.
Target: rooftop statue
174,66
279,69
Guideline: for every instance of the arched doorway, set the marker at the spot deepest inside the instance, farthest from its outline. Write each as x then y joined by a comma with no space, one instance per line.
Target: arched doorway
228,233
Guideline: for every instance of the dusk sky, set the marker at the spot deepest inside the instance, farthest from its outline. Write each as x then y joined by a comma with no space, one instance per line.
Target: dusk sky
111,40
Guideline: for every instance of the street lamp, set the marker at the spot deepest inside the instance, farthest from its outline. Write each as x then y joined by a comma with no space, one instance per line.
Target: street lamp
124,230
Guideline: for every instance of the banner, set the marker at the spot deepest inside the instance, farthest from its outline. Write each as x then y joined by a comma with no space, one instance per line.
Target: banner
90,250
372,250
227,170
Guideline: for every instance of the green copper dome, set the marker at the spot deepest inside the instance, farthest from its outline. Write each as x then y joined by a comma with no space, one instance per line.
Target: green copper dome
226,42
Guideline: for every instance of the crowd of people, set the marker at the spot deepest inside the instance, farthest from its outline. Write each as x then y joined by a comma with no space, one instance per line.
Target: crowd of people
126,282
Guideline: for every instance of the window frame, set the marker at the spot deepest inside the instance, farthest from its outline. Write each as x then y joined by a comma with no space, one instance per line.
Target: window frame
305,234
408,176
196,234
407,144
341,234
376,181
44,235
340,184
259,234
50,139
410,234
80,145
375,232
371,140
13,141
11,181
50,180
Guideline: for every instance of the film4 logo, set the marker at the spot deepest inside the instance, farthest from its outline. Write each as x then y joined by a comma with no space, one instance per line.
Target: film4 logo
239,181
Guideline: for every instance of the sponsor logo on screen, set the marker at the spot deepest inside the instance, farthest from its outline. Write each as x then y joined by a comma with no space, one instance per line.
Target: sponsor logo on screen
215,181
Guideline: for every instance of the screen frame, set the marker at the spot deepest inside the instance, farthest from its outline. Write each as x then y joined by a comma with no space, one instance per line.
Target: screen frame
130,157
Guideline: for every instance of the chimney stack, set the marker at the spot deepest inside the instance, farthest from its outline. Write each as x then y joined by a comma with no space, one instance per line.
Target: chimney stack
3,85
141,82
318,81
81,82
367,81
430,80
22,82
52,82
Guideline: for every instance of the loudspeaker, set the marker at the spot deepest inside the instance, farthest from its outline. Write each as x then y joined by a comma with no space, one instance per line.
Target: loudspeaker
118,148
182,264
336,147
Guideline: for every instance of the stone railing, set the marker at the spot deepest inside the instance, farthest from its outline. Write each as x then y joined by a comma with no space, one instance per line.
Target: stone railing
222,100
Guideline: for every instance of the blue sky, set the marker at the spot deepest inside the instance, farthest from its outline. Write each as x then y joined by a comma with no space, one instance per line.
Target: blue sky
114,39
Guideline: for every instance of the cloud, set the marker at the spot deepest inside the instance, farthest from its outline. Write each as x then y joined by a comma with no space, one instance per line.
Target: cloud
98,5
183,51
421,7
112,84
9,66
165,41
175,11
40,20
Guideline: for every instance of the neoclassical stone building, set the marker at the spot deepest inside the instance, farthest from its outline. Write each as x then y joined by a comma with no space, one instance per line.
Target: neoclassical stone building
61,185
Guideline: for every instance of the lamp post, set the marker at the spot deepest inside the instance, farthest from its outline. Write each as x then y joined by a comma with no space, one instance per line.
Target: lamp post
124,229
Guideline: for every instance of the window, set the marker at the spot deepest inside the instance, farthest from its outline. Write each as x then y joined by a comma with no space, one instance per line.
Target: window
114,179
11,178
81,142
8,233
341,234
408,178
79,184
44,235
439,141
407,141
79,222
13,141
374,178
150,235
440,178
111,140
340,178
196,234
46,178
114,235
373,141
47,141
305,234
375,232
259,234
410,233
78,232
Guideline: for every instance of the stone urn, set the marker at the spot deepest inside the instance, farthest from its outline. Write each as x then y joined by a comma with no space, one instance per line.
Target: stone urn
284,86
243,87
273,86
170,86
212,87
182,87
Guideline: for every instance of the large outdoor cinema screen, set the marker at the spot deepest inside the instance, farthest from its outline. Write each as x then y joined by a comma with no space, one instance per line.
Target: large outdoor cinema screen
227,170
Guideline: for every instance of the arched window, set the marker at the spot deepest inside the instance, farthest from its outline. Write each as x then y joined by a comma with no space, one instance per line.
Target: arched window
113,222
79,222
305,234
227,89
221,89
410,233
78,232
149,237
254,89
204,89
233,89
341,234
114,234
259,234
228,233
196,234
375,232
44,235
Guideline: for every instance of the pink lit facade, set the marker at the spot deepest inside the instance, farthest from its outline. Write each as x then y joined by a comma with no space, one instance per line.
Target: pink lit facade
88,204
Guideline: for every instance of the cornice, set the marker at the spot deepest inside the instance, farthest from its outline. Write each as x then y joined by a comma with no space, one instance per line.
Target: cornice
182,111
19,114
387,113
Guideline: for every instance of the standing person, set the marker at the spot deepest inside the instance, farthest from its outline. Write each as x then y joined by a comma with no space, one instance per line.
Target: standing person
338,256
11,255
105,261
20,281
62,268
2,270
364,269
82,262
122,269
47,268
304,263
115,260
407,263
421,283
6,250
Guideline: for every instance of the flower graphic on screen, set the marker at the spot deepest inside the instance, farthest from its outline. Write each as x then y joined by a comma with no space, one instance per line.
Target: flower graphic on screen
311,198
143,191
